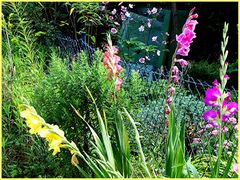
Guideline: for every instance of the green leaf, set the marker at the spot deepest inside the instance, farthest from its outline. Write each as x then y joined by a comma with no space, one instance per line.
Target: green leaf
93,38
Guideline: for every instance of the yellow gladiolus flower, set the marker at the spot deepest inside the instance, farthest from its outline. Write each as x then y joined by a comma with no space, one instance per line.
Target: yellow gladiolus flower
55,145
33,120
54,136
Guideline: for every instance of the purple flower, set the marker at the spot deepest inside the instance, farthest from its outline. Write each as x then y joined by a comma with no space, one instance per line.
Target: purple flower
212,97
210,115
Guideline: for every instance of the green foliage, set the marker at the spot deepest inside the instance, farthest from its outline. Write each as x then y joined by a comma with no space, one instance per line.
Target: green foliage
204,70
136,47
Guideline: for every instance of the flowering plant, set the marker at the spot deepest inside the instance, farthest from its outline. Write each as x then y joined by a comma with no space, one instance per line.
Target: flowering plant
223,109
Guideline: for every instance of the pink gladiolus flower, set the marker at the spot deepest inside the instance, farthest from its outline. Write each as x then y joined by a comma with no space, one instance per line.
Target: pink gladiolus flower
175,70
171,90
231,109
186,37
182,62
142,60
167,110
200,131
169,100
208,126
191,25
235,168
210,115
196,140
212,96
214,132
183,51
118,83
226,77
175,78
224,129
141,28
215,83
226,144
154,38
232,120
110,61
194,16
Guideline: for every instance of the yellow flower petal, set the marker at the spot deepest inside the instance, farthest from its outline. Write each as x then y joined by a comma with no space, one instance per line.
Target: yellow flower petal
55,145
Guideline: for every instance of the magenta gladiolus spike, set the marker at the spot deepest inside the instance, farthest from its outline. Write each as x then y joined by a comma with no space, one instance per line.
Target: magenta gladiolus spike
212,97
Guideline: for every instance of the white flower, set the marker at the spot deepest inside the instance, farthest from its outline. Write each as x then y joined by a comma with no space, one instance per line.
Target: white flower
149,12
154,10
141,28
130,6
154,38
116,23
167,34
149,23
158,52
114,11
127,14
147,58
